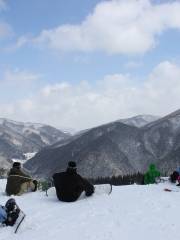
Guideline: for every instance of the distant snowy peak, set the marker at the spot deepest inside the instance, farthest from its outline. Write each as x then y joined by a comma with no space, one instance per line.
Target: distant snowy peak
46,134
172,119
17,138
140,120
10,123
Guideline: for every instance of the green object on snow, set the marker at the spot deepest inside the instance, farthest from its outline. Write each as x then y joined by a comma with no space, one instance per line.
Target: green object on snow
45,184
151,175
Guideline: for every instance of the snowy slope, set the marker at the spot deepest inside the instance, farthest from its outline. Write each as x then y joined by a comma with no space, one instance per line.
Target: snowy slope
140,120
36,133
130,212
17,138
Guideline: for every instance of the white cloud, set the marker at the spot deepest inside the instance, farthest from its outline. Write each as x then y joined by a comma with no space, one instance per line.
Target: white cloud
116,27
15,84
20,42
133,65
19,77
116,96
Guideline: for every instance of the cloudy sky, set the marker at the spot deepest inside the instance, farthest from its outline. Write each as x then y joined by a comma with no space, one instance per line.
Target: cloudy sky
79,64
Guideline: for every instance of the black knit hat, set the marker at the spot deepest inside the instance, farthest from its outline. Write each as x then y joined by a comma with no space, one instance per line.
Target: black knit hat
17,164
72,165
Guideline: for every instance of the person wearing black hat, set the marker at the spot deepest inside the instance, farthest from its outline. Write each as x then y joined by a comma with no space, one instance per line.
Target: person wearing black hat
19,182
69,184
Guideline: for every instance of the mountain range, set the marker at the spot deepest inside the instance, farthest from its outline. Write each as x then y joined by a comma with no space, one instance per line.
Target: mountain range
115,149
18,138
121,147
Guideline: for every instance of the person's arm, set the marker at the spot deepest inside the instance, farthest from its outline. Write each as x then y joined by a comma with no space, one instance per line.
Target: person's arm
87,186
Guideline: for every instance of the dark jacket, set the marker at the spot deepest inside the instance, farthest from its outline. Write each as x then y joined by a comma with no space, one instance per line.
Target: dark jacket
16,178
174,176
69,185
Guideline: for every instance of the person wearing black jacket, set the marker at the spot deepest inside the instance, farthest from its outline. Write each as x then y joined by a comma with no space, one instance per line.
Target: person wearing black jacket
69,184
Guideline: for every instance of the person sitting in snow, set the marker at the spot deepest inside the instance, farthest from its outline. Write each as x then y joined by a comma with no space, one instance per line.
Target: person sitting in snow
19,182
9,213
151,175
69,185
175,177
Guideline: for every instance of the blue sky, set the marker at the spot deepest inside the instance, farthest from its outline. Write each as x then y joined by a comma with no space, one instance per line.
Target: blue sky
82,63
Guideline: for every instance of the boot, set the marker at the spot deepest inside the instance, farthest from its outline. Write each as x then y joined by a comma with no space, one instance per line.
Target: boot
35,185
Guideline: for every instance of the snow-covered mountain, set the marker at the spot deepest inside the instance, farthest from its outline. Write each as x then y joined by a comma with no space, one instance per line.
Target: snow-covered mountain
114,149
17,138
131,212
140,120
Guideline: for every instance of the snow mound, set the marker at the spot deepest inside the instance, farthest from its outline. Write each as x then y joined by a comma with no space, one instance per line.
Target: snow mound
130,212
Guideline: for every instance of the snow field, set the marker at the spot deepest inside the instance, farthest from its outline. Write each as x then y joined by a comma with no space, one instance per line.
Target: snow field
130,212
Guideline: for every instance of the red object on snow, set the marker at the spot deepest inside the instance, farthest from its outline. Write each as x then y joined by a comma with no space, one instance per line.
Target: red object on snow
167,190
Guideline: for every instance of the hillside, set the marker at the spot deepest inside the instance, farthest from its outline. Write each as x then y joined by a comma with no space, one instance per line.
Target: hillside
17,138
114,149
140,120
130,212
102,151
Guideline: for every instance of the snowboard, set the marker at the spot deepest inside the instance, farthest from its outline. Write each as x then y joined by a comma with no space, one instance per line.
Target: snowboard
99,190
103,189
19,221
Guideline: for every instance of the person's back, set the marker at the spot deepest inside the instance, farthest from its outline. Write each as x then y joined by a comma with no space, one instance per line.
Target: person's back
174,176
69,185
151,175
19,182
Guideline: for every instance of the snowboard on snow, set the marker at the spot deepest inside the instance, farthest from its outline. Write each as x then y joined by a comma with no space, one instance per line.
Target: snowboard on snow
12,208
99,190
19,221
15,215
103,189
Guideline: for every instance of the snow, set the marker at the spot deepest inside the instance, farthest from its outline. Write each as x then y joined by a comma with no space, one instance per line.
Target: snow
130,212
29,155
139,121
